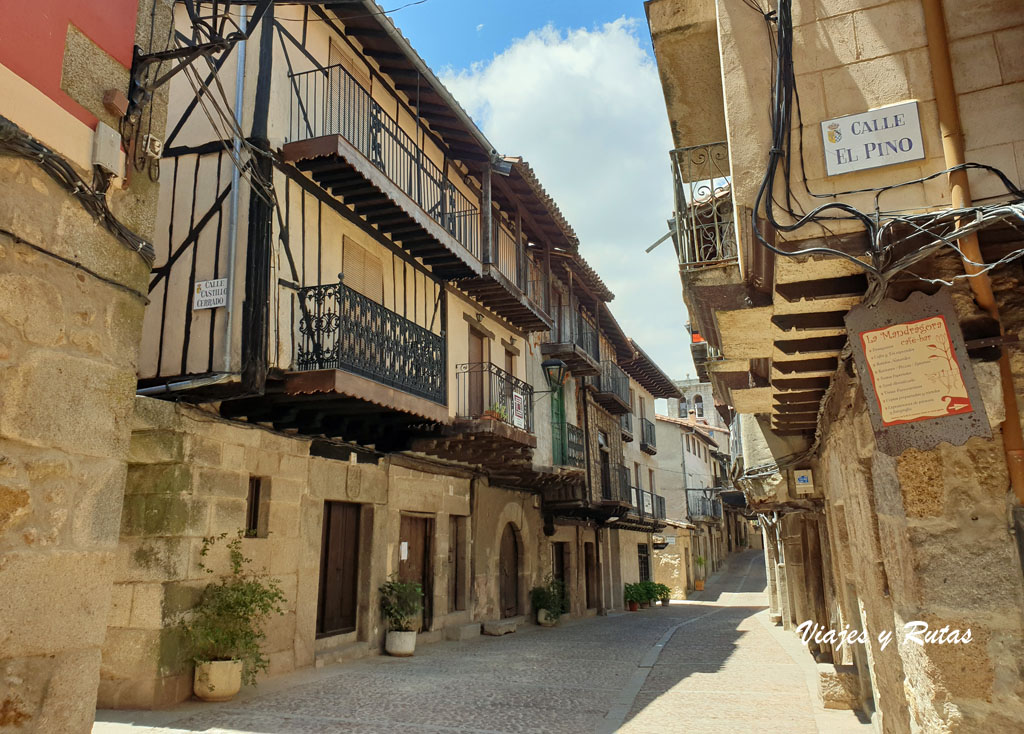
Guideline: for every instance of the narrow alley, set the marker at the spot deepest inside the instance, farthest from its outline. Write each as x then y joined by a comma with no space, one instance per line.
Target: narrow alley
713,662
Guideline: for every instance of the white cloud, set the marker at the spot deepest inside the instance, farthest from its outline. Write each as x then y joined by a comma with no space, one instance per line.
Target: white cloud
479,27
585,108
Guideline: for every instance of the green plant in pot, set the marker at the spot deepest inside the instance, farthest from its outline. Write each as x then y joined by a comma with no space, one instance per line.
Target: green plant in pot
664,593
699,581
633,595
548,601
649,592
401,603
224,631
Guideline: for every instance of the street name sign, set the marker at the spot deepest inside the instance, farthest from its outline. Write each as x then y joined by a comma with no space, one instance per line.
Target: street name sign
882,137
210,294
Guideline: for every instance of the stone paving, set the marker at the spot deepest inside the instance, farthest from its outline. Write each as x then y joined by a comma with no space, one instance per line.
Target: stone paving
713,664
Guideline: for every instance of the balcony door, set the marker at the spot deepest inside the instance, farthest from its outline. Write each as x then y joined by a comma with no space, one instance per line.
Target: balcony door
559,437
476,374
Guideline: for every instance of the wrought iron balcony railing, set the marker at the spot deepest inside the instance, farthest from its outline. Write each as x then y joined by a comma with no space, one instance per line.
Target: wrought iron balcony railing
567,445
648,435
345,330
612,380
615,483
330,101
705,233
626,423
571,327
485,390
647,505
698,506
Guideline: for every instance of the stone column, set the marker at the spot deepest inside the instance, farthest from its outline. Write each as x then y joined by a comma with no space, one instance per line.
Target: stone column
771,561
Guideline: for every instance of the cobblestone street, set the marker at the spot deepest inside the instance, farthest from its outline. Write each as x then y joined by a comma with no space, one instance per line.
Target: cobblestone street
712,664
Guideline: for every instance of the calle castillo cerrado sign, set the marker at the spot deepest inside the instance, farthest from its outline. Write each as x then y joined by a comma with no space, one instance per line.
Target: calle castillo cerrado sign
881,137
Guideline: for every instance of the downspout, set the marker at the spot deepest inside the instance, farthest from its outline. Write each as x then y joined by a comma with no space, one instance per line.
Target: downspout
235,181
960,196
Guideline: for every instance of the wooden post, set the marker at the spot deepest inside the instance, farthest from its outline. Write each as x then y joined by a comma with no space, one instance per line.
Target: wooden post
487,216
522,274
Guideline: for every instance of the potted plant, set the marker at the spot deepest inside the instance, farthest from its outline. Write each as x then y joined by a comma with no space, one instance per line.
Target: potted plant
401,602
698,583
664,593
650,593
632,596
224,631
497,412
548,601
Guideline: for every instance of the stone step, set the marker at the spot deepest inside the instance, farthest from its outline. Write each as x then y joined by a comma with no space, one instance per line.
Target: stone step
342,653
462,631
498,627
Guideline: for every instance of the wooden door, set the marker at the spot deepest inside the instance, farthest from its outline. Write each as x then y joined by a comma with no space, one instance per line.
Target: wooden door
590,574
508,571
476,374
559,433
456,564
339,569
414,558
559,569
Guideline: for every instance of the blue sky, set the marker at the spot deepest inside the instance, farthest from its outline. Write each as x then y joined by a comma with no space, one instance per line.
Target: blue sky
572,87
433,25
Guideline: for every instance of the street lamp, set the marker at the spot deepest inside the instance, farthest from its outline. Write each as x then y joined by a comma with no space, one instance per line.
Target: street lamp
555,372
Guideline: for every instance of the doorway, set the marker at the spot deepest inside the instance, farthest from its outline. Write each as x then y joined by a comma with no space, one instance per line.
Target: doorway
560,569
339,569
508,573
590,574
414,560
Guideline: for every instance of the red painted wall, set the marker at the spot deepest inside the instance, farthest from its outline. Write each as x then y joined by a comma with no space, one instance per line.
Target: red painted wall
32,34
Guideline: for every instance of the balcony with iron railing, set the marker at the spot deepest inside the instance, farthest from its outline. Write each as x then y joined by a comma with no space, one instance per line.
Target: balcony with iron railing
703,228
701,507
485,391
574,340
646,505
611,388
567,445
648,437
615,484
626,424
341,329
354,148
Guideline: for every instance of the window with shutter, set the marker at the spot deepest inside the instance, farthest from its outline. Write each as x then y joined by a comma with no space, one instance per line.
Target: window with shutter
363,271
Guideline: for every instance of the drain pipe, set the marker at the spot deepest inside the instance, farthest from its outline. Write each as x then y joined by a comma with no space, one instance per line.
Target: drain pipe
960,196
235,182
182,385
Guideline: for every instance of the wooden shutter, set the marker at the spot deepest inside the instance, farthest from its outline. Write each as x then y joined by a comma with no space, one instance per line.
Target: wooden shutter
363,271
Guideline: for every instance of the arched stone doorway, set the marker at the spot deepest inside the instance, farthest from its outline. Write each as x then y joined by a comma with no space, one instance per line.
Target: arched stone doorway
508,572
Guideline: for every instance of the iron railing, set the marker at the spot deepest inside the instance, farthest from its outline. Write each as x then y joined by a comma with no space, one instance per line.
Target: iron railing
615,483
343,329
330,101
648,434
572,327
647,504
485,390
536,282
704,229
612,380
626,423
567,445
698,506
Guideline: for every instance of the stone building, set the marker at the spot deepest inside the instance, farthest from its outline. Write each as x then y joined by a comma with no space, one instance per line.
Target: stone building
889,485
75,221
376,349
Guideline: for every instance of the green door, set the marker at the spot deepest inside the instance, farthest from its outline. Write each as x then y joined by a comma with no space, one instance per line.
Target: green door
559,447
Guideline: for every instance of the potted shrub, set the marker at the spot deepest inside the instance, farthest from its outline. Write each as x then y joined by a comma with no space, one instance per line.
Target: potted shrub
224,631
401,603
698,583
650,593
548,601
632,595
664,593
497,412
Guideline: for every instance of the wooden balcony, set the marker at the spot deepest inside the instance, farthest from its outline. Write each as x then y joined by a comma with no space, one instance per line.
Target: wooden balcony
493,427
574,340
351,147
611,388
361,372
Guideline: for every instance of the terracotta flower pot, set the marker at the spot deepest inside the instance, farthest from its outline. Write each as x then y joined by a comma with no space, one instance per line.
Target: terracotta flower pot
217,680
699,584
400,644
633,606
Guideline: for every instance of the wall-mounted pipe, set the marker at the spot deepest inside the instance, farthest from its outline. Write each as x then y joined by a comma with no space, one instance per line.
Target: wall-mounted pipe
235,182
960,196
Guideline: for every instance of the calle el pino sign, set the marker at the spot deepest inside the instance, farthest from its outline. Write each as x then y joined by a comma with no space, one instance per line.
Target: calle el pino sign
881,137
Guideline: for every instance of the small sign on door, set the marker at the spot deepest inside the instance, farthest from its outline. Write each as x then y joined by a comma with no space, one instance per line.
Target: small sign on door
518,410
210,294
403,551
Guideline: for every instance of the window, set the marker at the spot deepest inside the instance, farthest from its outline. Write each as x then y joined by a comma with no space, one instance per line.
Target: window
682,407
698,405
510,362
643,553
256,509
362,271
